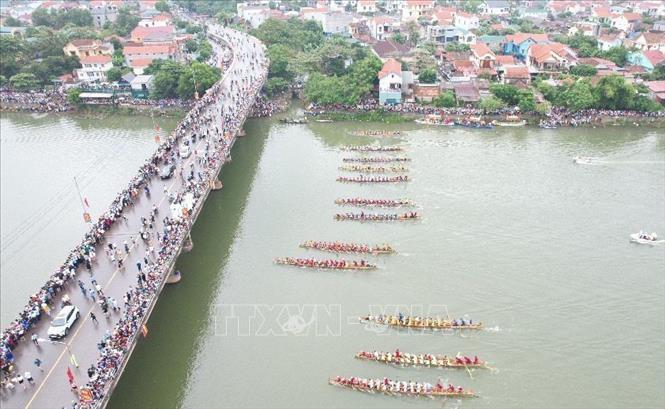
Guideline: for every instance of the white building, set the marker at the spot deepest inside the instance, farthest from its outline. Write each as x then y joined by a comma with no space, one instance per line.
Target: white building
495,8
413,9
366,6
466,21
94,68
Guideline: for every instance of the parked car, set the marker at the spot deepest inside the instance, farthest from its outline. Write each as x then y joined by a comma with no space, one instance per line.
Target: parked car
167,171
63,322
185,151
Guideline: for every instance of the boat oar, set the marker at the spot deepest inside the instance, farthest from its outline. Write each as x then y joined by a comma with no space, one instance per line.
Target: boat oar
466,367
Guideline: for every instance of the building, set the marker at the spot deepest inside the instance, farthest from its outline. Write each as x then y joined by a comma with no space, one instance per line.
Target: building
104,12
518,44
366,6
658,26
254,15
494,42
647,59
390,82
164,34
388,49
466,21
466,92
651,40
482,57
443,16
381,27
414,9
335,22
585,28
94,68
656,90
495,8
87,48
626,22
450,34
141,86
550,58
517,75
607,41
148,52
426,92
160,20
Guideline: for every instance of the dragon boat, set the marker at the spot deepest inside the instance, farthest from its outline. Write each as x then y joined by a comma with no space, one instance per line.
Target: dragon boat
373,169
325,264
373,179
376,132
402,321
397,388
374,202
372,148
376,159
347,247
377,217
422,360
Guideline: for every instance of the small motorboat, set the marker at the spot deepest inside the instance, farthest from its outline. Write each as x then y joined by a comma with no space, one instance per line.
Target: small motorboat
645,238
584,160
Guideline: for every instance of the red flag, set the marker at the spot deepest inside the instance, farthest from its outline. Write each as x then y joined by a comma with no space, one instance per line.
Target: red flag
70,375
144,330
85,200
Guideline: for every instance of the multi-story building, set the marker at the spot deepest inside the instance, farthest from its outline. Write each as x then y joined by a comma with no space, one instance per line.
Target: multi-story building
94,68
86,48
390,82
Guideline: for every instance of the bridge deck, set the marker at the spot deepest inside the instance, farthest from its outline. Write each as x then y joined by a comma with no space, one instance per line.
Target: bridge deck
51,388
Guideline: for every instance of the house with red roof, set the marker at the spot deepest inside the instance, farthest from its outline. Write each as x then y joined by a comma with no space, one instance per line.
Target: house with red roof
163,34
87,47
517,75
390,82
647,59
482,57
626,22
94,68
550,58
148,52
413,9
656,90
651,40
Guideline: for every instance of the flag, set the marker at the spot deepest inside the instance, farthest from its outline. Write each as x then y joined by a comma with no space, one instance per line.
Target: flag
85,200
144,330
70,375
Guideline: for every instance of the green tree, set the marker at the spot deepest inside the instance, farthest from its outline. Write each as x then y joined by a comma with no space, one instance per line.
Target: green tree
3,80
118,59
13,22
125,22
618,55
583,70
491,104
197,77
280,58
427,76
613,92
24,81
457,47
162,6
445,100
543,108
579,96
399,38
526,101
74,96
506,93
275,86
167,76
114,74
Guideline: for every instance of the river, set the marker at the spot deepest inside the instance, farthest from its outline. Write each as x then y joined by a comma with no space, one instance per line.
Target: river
513,234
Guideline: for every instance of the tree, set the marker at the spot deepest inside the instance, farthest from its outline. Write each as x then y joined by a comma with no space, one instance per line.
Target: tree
399,38
427,76
162,6
526,101
491,104
445,100
24,81
579,96
275,86
167,76
118,60
125,22
583,70
413,31
280,58
114,74
457,47
3,80
543,108
613,92
59,18
13,22
618,55
197,77
506,93
423,60
74,96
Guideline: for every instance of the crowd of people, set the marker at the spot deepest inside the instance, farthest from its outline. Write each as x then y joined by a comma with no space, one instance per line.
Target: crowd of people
46,101
214,121
264,107
558,116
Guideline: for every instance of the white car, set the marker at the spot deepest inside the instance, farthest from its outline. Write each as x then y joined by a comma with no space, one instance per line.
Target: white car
185,151
63,322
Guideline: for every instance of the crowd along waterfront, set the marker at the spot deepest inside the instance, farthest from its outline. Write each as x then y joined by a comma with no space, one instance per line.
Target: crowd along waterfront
193,155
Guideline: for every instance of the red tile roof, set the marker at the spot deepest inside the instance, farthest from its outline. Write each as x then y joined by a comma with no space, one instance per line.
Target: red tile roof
505,59
142,32
632,16
148,49
96,59
390,66
141,62
656,86
519,38
480,49
520,72
655,56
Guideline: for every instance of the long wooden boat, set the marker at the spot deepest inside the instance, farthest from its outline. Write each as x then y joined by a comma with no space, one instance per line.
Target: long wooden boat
373,169
352,248
424,360
376,132
365,148
373,179
374,202
325,264
365,217
420,322
510,121
397,388
376,159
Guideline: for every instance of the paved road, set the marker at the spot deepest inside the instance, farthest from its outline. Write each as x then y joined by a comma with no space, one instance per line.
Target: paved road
51,388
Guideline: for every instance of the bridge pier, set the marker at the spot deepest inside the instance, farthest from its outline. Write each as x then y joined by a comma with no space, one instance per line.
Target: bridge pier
189,244
216,185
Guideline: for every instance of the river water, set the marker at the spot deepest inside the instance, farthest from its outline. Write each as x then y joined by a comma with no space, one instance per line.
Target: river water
513,234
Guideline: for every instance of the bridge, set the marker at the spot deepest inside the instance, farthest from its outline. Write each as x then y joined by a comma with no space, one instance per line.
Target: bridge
106,342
